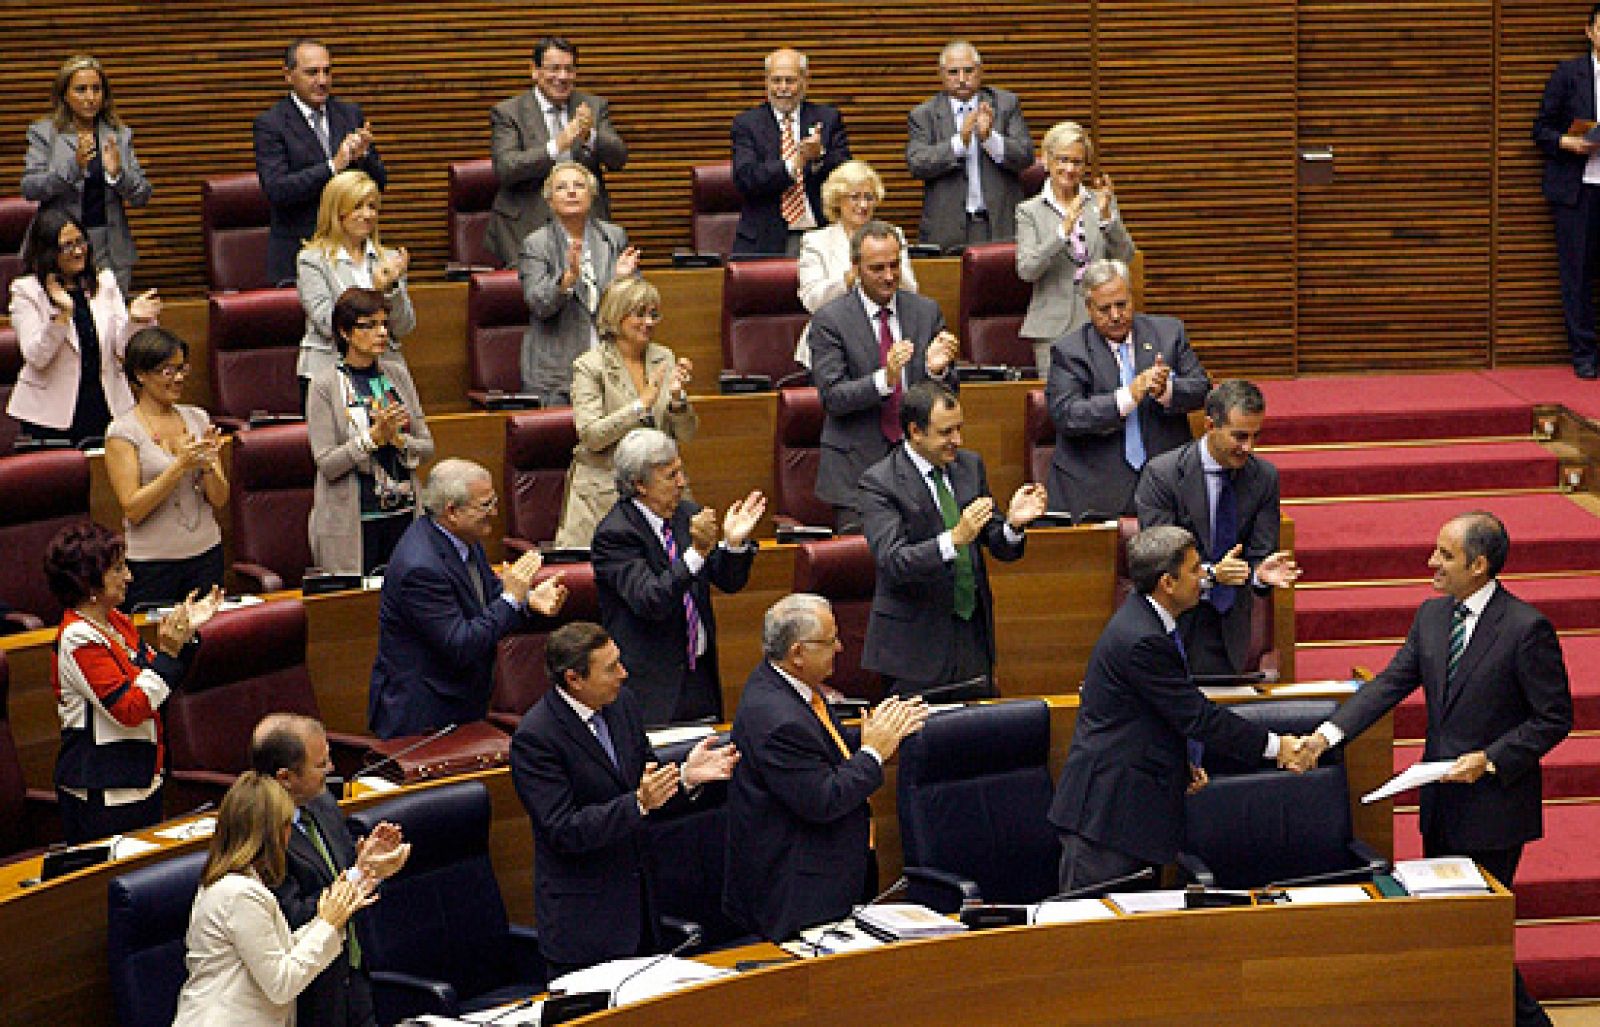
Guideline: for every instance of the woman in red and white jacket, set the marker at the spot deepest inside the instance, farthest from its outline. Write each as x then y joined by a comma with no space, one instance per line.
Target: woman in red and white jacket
110,686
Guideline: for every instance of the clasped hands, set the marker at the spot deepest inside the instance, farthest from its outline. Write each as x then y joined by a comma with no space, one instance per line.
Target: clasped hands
186,618
353,147
1277,571
389,422
546,597
713,759
578,128
737,524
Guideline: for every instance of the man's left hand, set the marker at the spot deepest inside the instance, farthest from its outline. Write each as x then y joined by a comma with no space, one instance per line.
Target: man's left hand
742,517
1278,570
712,760
942,352
382,853
1028,504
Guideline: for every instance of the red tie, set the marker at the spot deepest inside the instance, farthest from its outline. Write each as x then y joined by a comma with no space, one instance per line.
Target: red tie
889,413
794,197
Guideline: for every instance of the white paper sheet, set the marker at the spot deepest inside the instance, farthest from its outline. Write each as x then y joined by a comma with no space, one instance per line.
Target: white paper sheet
1414,776
1327,894
1071,911
1148,901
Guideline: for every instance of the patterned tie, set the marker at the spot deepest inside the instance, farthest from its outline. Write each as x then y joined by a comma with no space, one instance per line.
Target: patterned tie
590,286
1195,747
319,123
690,614
1078,247
1224,533
1458,638
1132,433
889,412
794,198
602,734
820,708
558,120
966,594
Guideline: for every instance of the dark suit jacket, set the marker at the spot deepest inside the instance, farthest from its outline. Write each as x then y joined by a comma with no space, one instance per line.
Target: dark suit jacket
591,888
1127,767
761,176
293,169
797,814
641,601
1510,699
1089,472
1172,490
519,138
326,999
436,642
908,634
929,156
844,355
1568,94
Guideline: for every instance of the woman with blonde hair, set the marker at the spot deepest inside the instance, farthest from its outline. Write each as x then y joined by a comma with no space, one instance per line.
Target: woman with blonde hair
630,381
80,159
245,966
346,253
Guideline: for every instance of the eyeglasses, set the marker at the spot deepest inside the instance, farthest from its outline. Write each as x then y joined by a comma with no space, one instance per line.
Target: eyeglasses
74,246
369,325
862,197
172,372
647,315
831,642
483,505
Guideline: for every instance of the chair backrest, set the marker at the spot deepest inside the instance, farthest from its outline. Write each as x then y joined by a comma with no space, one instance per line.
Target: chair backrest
714,208
10,367
687,843
842,571
472,187
496,319
147,917
993,303
1033,178
254,343
442,916
539,446
796,449
44,492
974,794
270,499
234,222
251,662
519,676
16,214
13,783
762,317
1039,435
1253,825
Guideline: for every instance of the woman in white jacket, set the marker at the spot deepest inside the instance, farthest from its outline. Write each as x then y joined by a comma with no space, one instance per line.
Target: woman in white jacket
245,966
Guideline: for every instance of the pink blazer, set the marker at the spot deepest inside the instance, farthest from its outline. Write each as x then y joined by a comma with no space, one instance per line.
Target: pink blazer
47,388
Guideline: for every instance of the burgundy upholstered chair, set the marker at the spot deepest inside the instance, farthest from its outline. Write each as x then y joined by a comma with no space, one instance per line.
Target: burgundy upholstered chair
16,214
1033,178
10,367
472,188
842,571
254,344
796,448
762,317
539,447
714,208
29,818
234,220
43,493
1039,437
993,303
519,677
496,319
270,503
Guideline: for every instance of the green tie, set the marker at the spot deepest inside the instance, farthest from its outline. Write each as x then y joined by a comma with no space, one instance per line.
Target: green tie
315,835
966,598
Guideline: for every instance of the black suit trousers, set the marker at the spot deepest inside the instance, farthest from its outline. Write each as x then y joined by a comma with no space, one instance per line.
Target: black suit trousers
1578,252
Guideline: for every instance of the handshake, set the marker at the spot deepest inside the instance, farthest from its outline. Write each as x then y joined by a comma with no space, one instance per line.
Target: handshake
1299,753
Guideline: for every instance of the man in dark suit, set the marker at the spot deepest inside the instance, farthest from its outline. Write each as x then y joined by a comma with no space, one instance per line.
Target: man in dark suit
1491,669
302,141
1572,188
798,820
293,749
1120,391
588,778
1218,490
783,151
928,516
969,145
532,132
656,556
867,347
442,610
1119,806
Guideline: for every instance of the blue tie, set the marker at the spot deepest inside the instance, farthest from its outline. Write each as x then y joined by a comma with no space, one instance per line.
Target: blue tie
1224,534
1132,435
603,735
1197,748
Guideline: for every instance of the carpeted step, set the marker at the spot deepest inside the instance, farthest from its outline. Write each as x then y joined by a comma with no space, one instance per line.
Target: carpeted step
1551,384
1365,541
1560,960
1307,411
1571,771
1385,611
1582,653
1560,873
1393,470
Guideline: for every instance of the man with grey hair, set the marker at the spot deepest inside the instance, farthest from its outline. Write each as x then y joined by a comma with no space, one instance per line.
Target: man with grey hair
656,556
443,611
1141,725
969,145
1120,390
783,151
798,819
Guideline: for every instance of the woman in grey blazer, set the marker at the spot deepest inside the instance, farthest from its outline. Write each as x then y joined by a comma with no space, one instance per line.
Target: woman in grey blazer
368,436
81,159
345,253
1059,233
564,267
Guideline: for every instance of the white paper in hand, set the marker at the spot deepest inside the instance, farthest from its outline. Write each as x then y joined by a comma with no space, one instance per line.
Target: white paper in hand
1414,776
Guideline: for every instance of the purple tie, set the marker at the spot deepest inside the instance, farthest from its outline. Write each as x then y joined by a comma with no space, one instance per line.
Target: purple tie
889,413
691,615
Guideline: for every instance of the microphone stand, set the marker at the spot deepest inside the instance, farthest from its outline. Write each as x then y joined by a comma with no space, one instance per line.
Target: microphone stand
408,750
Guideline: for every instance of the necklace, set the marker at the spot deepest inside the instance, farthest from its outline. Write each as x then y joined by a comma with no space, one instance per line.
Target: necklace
172,445
103,626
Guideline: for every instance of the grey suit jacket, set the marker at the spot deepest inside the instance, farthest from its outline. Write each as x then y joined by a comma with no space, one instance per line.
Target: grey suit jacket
321,280
1172,490
1045,259
519,138
930,157
844,355
52,178
1089,471
560,326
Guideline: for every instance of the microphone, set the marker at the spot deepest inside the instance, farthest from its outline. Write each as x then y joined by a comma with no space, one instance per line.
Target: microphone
1373,867
515,1007
979,686
408,750
692,939
1254,677
832,930
1096,890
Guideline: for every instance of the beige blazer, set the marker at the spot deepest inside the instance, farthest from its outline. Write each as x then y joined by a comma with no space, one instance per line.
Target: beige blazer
1045,259
603,407
47,387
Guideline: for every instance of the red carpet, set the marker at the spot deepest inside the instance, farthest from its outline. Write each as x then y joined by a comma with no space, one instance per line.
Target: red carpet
1368,409
1385,611
1409,469
1374,540
1571,770
1553,384
1559,960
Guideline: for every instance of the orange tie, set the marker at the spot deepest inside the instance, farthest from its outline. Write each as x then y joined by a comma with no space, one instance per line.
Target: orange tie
820,708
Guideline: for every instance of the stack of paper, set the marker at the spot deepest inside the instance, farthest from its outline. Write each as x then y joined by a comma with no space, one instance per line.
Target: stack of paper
1148,901
830,939
1071,911
903,920
1442,875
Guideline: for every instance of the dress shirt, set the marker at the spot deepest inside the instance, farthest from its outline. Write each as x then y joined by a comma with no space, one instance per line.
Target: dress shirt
691,559
310,113
947,545
1169,624
805,691
797,168
360,270
464,552
1214,472
555,119
1124,393
994,145
1591,170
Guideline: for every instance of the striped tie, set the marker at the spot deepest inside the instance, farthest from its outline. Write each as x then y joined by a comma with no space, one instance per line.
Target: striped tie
794,197
690,613
1458,638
